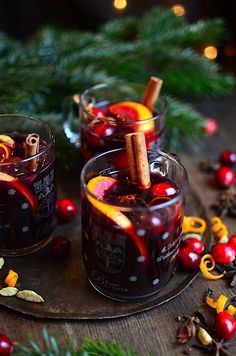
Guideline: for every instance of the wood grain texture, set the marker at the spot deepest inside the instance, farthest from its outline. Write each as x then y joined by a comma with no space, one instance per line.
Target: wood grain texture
153,331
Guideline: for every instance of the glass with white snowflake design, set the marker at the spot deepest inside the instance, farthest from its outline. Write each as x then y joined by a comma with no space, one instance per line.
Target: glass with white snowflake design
130,238
27,184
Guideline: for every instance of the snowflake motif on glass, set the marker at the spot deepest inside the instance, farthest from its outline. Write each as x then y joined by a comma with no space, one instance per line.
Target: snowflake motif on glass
165,235
155,281
24,206
133,278
12,191
25,228
141,232
140,259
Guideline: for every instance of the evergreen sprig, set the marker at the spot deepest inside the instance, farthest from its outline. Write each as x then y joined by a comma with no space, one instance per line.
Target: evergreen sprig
37,75
50,346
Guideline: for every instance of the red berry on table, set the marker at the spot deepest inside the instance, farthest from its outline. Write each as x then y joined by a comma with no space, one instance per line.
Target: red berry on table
211,126
98,112
225,177
232,242
66,210
223,253
188,258
6,345
228,158
194,245
164,189
60,247
225,325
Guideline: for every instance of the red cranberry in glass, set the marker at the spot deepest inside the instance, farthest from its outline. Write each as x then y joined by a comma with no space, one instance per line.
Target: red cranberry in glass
211,127
225,177
232,242
104,130
66,210
6,345
225,325
60,247
188,258
228,158
98,112
223,253
164,189
194,245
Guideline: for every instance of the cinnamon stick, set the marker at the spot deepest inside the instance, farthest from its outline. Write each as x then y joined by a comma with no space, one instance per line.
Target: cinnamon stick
152,92
31,149
138,160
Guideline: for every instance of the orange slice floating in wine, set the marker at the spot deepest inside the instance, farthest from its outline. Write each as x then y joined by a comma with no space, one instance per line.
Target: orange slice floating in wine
98,186
20,187
132,111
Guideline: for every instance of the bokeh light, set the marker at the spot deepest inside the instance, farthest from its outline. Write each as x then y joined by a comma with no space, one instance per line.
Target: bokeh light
178,9
210,52
120,4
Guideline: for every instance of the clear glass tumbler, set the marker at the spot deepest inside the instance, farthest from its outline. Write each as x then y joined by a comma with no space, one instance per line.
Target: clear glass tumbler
27,184
134,256
100,132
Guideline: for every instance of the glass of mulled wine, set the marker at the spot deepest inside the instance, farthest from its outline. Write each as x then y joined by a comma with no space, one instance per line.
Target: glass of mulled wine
27,185
108,112
131,237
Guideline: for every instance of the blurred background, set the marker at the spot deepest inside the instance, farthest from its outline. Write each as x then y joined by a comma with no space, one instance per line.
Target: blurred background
21,18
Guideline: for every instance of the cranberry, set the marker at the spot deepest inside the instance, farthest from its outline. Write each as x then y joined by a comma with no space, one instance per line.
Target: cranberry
228,158
6,345
188,258
232,242
66,210
164,189
211,127
225,325
194,245
104,130
60,247
225,177
223,253
98,112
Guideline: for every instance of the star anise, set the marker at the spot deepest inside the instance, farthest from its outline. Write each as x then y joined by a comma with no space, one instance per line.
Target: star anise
217,348
187,329
226,203
229,272
208,165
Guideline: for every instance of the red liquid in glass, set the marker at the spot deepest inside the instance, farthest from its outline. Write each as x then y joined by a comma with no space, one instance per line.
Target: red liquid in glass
112,258
27,200
105,132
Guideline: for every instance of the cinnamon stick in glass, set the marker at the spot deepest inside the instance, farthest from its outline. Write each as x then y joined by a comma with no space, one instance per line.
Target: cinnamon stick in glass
152,92
31,149
138,159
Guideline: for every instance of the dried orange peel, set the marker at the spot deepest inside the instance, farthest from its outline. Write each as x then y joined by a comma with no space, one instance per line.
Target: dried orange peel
193,224
208,264
133,111
218,228
12,278
97,186
219,304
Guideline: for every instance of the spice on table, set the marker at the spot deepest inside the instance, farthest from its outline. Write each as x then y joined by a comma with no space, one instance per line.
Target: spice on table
11,278
187,329
204,337
30,296
1,262
226,202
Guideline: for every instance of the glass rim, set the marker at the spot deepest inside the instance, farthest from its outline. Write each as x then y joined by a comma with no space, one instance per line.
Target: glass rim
124,208
106,119
46,148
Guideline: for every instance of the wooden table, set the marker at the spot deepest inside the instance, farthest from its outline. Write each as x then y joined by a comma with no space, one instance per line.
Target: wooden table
153,331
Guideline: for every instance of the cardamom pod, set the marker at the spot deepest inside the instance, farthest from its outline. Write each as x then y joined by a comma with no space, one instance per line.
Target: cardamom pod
204,337
8,291
30,296
1,262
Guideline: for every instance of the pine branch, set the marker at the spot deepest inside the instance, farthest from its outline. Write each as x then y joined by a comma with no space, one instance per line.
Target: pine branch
52,347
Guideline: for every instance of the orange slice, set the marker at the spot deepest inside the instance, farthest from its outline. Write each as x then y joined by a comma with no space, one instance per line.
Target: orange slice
20,187
98,186
132,111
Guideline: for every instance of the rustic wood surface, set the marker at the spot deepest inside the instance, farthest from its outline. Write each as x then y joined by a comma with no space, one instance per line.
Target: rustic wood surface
151,332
